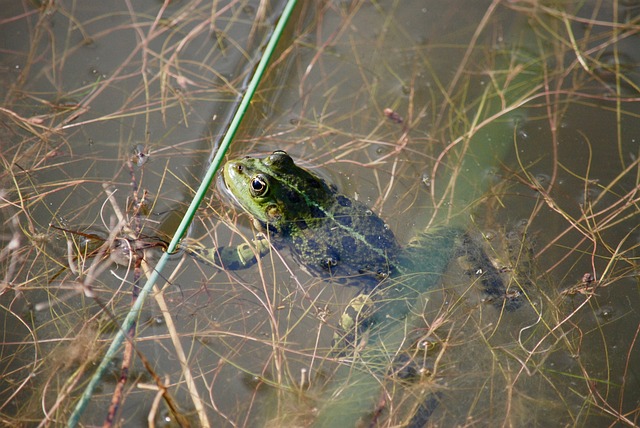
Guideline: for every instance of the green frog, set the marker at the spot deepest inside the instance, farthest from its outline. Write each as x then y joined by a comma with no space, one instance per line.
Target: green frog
338,238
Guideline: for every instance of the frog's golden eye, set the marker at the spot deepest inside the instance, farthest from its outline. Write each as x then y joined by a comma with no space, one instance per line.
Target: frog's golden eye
258,186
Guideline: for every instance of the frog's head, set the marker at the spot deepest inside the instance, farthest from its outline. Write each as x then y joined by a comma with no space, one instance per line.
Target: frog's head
277,192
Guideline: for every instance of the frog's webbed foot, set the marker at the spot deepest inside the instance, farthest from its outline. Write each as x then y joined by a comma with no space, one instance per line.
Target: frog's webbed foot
232,258
368,311
504,282
352,333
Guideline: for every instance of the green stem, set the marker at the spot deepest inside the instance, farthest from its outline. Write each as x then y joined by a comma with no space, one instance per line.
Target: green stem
134,312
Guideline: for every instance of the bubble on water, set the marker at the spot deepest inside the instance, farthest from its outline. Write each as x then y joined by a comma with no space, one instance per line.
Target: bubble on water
518,118
523,134
426,179
605,312
542,179
164,419
489,234
252,381
588,195
491,175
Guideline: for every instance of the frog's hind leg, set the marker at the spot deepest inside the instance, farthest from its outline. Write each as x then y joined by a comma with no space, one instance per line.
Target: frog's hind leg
479,265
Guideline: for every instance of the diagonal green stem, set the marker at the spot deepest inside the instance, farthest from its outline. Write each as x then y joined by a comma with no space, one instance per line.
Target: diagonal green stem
134,312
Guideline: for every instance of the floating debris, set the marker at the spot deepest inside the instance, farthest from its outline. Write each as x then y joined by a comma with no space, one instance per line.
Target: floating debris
393,115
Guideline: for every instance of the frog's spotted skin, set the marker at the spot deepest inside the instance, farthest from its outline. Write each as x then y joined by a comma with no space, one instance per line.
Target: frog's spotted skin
332,235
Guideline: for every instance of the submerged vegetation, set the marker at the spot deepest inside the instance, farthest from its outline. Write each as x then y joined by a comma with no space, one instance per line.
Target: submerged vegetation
515,120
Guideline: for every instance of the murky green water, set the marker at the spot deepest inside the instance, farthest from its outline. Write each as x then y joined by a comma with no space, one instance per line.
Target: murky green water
511,120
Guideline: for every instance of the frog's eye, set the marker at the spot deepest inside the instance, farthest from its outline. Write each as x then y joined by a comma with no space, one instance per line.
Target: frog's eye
279,159
258,186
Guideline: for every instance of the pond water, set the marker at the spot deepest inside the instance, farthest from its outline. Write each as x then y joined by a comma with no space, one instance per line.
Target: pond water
517,121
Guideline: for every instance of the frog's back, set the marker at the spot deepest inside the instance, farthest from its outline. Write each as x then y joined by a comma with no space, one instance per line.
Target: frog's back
351,241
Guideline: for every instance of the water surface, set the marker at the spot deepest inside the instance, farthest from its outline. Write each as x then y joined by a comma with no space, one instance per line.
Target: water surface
518,123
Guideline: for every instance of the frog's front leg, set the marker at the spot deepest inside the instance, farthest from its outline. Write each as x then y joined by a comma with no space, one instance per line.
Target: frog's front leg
232,258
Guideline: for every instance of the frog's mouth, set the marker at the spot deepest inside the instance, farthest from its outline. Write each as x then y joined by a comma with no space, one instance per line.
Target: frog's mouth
235,183
221,183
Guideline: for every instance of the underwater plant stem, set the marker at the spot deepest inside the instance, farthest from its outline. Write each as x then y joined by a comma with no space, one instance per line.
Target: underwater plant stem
134,312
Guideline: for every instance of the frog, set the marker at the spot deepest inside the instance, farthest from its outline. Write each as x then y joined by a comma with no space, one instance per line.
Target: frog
340,239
